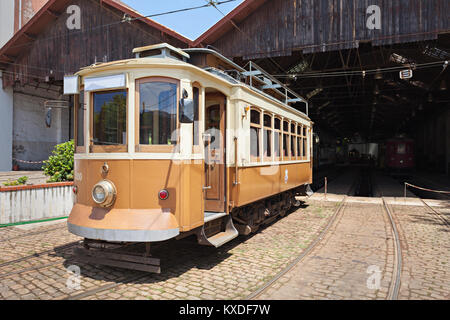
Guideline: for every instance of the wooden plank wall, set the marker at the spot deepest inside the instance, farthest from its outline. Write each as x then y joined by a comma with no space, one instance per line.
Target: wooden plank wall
280,26
65,51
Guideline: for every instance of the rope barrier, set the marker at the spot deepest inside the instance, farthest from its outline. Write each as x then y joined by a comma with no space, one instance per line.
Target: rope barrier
29,162
422,188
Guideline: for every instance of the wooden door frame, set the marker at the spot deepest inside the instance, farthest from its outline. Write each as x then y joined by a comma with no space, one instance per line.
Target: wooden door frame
217,205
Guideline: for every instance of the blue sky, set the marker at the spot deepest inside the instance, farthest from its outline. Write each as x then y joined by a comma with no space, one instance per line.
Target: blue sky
190,24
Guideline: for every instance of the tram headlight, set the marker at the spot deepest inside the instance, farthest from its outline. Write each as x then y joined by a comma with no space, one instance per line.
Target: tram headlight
104,193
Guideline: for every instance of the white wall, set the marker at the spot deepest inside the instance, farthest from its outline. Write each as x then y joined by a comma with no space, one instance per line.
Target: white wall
6,127
32,140
6,21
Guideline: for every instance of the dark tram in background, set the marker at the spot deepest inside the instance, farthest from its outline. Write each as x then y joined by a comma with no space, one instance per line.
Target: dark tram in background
399,156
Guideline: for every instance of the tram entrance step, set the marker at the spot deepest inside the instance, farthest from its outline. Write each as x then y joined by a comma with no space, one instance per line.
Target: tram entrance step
220,238
210,216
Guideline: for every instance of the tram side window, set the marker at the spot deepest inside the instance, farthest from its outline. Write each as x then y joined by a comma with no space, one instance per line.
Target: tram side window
299,141
285,139
277,137
293,138
267,136
305,144
196,126
255,128
110,118
157,113
80,120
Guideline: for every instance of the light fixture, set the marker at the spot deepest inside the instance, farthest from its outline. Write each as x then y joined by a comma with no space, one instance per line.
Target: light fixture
430,97
104,193
378,75
376,90
443,86
163,194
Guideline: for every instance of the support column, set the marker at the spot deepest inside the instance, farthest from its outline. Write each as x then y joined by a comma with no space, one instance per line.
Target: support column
6,126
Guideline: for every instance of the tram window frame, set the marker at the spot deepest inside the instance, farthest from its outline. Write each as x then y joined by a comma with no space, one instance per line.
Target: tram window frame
154,148
277,153
95,148
196,128
305,143
293,140
258,128
269,131
80,105
285,148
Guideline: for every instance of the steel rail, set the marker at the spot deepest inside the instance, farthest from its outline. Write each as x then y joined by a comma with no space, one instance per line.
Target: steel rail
32,234
299,258
395,282
437,213
35,255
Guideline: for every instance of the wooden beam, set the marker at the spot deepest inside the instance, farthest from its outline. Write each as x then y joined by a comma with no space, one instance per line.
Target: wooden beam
29,36
54,14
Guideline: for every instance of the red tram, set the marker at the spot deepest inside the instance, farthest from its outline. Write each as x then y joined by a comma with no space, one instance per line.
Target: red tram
400,156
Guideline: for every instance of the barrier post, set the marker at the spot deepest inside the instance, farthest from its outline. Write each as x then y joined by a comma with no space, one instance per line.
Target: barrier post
404,193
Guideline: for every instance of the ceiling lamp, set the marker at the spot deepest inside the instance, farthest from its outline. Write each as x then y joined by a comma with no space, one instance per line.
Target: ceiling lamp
378,75
376,90
443,86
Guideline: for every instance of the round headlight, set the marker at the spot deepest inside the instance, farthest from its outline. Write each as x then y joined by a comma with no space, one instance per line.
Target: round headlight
104,193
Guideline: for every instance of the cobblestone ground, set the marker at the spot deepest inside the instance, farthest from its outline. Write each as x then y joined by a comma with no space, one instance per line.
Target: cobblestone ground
344,265
189,271
426,257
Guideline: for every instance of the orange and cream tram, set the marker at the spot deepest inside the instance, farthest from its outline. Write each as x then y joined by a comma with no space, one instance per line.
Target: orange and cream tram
179,142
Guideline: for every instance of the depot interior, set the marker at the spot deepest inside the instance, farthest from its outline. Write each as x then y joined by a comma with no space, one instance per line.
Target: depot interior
385,108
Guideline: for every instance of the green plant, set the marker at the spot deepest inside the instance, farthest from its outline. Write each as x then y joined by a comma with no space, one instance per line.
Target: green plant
59,165
20,181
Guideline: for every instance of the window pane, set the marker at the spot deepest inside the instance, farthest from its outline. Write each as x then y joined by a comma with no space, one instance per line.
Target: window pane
254,141
285,144
285,126
157,113
277,124
293,145
268,121
401,148
267,143
254,117
304,147
292,128
298,147
276,144
110,118
299,129
196,125
80,120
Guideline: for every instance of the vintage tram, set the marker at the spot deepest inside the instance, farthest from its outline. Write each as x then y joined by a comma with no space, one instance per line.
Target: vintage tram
177,142
399,156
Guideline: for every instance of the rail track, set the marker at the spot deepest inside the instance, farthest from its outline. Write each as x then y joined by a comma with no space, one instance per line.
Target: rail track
395,282
35,255
32,234
334,220
436,213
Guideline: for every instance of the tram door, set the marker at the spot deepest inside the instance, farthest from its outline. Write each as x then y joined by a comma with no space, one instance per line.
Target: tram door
214,153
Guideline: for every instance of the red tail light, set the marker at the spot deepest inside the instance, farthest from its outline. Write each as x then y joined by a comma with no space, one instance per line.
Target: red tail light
163,194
